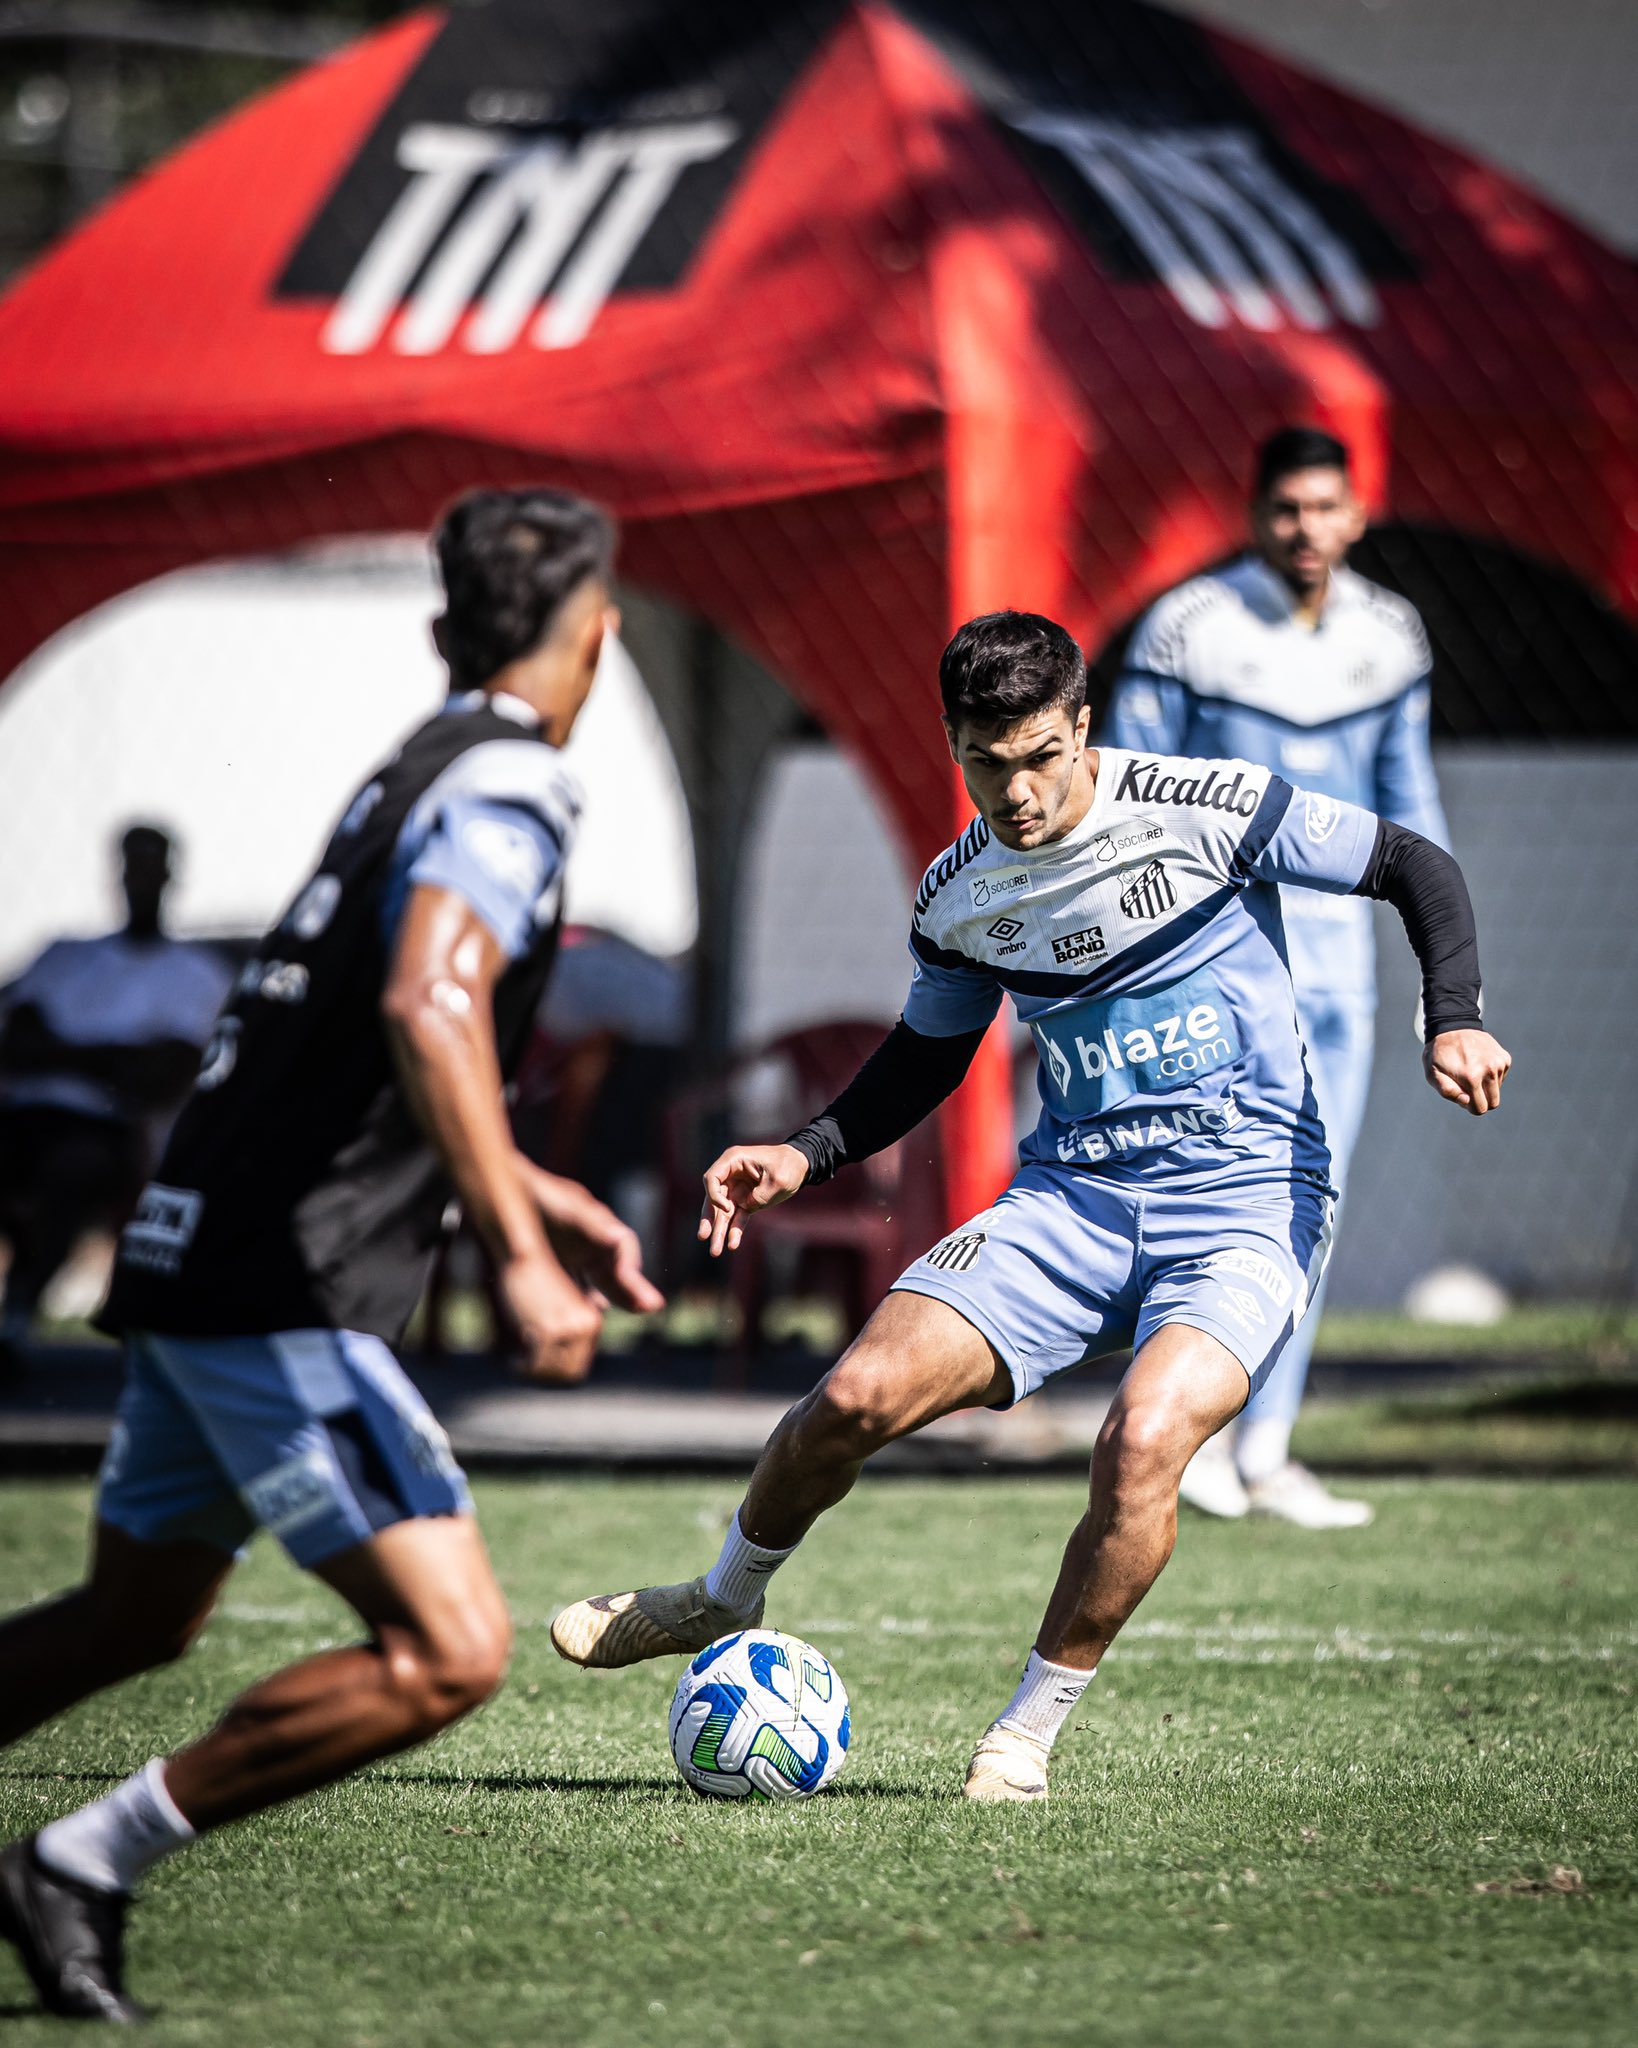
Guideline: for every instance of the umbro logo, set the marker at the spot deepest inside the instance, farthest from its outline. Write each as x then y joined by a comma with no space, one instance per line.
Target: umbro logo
1005,928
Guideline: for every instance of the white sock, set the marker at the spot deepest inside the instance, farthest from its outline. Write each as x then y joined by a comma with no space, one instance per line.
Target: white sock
740,1574
1261,1447
1047,1695
113,1841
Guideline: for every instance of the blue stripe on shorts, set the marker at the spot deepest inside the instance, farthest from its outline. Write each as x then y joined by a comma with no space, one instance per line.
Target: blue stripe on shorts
317,1436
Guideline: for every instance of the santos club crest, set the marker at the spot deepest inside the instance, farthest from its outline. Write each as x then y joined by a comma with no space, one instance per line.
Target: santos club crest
1150,893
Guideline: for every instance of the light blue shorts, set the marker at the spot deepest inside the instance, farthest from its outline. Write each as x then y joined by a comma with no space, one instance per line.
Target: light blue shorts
1066,1267
314,1435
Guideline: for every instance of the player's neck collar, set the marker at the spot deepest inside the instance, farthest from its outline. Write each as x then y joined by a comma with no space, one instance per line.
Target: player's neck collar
502,702
507,706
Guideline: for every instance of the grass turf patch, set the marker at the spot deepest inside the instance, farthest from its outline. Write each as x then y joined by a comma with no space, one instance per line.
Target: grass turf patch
1365,1786
1564,1425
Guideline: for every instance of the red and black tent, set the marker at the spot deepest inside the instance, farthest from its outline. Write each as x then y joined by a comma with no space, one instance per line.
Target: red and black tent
865,317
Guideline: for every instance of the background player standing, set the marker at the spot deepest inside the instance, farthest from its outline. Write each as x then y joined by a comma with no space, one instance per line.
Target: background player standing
99,1044
354,1083
1175,1195
1289,658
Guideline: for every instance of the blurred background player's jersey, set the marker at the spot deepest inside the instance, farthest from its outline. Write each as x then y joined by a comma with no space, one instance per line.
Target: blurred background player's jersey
1222,666
1145,952
297,1190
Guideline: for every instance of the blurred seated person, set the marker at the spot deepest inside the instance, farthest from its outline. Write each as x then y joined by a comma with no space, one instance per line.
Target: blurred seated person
99,1044
610,1037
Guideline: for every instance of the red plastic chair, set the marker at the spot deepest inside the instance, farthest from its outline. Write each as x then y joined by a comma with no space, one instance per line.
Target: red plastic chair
867,1224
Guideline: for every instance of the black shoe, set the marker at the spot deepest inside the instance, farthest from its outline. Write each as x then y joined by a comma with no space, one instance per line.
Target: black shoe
70,1936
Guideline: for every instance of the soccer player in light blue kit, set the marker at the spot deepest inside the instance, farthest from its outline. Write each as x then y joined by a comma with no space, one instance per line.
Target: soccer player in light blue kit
1288,658
1176,1194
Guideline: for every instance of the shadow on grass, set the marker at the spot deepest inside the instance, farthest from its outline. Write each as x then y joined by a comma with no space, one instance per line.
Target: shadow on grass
1590,1400
515,1781
41,1774
651,1790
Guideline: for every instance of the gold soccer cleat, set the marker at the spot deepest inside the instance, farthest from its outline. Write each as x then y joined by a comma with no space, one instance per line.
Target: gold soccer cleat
1006,1766
614,1629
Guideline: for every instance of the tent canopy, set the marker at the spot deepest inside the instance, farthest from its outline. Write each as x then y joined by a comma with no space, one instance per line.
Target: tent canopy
864,317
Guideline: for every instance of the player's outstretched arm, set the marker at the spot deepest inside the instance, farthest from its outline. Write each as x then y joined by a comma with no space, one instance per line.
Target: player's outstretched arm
905,1079
438,1008
1462,1061
741,1181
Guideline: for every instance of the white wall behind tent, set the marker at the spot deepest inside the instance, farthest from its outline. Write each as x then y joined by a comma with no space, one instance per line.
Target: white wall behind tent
241,705
825,902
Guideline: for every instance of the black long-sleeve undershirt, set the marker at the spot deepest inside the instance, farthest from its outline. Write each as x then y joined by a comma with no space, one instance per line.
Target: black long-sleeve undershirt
905,1079
1427,889
910,1073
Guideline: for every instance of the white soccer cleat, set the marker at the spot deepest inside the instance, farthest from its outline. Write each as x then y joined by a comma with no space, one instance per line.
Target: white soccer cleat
1293,1494
1006,1765
1212,1483
614,1629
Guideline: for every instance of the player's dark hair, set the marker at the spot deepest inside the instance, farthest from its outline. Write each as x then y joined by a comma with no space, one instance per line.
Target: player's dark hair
1294,448
508,561
1006,666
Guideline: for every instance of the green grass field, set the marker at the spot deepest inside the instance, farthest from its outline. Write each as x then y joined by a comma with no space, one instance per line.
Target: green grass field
1378,1787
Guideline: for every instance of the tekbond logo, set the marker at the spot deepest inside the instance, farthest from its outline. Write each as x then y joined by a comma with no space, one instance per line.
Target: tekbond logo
1150,894
1071,947
1007,934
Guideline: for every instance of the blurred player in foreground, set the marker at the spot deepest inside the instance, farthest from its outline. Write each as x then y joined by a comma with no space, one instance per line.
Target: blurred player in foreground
1289,658
353,1085
1176,1194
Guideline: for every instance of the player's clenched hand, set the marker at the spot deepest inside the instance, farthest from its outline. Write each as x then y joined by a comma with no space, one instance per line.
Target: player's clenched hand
742,1180
1467,1067
596,1248
556,1320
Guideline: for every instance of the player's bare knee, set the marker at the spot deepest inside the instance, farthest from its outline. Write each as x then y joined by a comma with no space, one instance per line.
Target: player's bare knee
464,1670
852,1413
1137,1448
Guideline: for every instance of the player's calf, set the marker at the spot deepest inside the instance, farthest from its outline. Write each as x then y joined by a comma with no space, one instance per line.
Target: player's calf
1182,1386
916,1359
142,1607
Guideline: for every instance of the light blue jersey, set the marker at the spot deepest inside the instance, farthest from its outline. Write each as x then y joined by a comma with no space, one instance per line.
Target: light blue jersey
1146,953
1179,1172
1222,665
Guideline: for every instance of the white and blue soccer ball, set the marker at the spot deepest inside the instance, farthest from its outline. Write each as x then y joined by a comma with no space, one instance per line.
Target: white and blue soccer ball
759,1715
